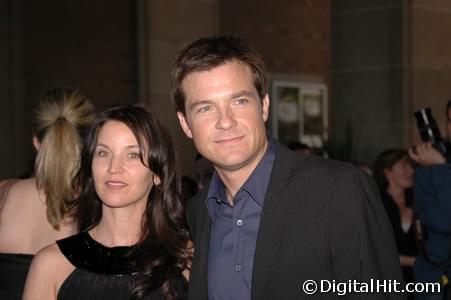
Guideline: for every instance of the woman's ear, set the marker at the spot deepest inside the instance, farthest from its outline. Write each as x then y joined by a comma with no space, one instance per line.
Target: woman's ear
36,143
156,180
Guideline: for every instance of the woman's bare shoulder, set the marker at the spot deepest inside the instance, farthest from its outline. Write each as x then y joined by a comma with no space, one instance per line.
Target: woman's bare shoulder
48,271
49,254
24,186
22,191
50,259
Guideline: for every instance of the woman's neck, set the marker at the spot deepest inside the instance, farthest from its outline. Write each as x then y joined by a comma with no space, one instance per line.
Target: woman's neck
398,195
118,228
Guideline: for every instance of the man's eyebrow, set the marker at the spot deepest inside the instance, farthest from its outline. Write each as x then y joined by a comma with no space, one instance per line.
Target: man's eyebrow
241,94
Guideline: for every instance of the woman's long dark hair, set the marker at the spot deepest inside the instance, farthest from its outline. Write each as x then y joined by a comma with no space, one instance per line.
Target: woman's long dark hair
162,250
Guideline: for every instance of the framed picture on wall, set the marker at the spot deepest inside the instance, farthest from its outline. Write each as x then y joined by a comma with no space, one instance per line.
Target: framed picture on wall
299,112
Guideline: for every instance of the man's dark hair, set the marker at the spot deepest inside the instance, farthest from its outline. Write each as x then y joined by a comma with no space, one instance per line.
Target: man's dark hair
207,53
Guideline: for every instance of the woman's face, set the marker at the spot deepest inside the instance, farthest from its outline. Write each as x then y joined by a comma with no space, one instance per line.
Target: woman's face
120,178
400,174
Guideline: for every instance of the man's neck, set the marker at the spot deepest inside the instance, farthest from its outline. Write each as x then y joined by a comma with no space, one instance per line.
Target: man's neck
234,179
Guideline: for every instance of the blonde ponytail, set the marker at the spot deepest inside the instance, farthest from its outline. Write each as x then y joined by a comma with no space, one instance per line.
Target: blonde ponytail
62,116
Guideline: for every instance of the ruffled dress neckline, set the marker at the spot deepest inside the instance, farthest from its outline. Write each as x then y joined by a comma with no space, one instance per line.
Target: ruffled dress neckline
86,253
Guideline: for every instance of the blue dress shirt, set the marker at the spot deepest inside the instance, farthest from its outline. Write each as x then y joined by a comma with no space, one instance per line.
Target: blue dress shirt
234,231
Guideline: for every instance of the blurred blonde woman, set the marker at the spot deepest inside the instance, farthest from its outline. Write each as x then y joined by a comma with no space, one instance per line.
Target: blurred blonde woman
33,211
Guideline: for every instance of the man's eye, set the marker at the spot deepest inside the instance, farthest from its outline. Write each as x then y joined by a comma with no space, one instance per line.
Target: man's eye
204,108
241,101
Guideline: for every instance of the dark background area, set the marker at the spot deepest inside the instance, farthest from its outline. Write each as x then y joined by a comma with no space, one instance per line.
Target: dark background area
380,61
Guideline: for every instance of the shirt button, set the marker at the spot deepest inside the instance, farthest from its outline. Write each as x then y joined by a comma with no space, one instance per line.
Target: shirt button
237,268
218,201
239,222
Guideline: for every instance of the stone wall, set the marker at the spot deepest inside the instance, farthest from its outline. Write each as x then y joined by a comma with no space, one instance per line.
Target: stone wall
90,45
429,60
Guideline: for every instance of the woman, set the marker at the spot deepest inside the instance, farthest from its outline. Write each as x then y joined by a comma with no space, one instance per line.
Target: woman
393,173
133,240
33,211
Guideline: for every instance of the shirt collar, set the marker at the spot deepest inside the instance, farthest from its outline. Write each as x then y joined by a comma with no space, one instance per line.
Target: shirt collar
255,185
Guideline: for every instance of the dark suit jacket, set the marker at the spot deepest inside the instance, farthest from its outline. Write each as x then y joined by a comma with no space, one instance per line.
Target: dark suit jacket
321,220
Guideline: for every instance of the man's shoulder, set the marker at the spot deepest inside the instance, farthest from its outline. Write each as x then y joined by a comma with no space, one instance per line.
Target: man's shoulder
309,165
196,210
199,196
197,203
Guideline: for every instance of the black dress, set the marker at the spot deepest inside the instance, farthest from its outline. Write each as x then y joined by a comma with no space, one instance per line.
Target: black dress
13,267
13,273
405,241
101,272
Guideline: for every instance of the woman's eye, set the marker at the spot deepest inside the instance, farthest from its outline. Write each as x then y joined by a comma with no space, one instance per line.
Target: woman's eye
102,153
133,155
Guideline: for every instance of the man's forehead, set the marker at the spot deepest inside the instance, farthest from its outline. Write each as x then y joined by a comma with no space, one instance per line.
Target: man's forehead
234,63
225,83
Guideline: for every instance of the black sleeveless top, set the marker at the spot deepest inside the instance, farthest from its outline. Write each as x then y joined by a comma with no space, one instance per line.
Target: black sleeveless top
13,272
100,272
13,266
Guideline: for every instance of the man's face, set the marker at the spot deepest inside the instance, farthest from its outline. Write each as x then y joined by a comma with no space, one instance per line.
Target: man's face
448,123
224,116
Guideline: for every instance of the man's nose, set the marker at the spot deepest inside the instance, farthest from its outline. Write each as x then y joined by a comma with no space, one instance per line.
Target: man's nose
226,119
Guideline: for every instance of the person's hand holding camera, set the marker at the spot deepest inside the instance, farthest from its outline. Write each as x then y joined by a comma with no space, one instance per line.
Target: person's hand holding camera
426,155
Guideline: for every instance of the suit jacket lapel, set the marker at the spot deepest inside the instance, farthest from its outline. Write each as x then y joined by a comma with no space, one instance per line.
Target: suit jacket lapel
198,288
203,256
271,227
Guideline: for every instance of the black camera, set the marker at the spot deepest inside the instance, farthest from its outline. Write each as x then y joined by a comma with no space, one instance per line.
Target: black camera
429,131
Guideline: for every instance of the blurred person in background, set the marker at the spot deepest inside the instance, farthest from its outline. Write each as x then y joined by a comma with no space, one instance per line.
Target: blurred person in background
393,172
33,211
433,208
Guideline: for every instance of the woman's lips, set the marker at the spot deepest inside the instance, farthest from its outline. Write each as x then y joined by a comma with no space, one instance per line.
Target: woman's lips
113,184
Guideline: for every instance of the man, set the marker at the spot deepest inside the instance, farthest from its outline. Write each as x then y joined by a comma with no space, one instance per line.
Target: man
270,219
433,209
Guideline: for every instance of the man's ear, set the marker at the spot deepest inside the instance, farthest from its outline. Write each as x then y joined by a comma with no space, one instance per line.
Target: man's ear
184,124
265,107
36,143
